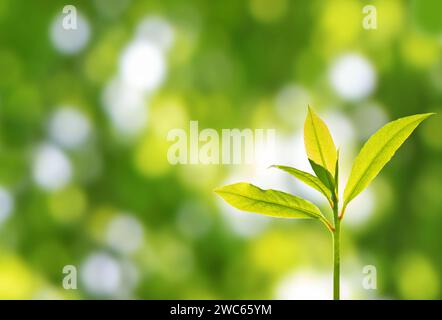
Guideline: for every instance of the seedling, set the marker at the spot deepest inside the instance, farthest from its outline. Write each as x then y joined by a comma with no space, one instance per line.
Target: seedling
324,160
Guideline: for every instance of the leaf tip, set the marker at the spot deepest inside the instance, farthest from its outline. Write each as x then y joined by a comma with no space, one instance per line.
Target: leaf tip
217,190
427,115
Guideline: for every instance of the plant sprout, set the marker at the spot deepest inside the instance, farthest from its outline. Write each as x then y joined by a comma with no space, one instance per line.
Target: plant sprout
324,160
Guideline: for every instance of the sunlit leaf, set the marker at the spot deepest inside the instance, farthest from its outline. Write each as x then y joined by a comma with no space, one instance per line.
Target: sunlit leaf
377,151
247,197
308,179
318,142
324,176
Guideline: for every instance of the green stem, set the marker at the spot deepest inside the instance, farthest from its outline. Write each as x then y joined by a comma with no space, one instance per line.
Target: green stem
336,255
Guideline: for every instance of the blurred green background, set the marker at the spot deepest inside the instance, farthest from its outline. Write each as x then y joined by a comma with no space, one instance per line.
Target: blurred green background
84,176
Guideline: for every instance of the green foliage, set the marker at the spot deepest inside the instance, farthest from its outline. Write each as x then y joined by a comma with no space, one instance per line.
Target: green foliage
308,179
324,176
324,159
247,197
227,68
319,143
377,151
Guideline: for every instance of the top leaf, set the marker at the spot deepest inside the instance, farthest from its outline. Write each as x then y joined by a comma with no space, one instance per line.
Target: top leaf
247,197
377,151
318,142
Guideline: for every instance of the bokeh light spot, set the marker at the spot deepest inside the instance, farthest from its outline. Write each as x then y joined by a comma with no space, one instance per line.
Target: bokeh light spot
352,77
268,10
308,285
420,51
51,168
69,127
417,278
6,204
368,119
156,30
125,107
124,234
17,281
67,205
70,41
101,274
142,66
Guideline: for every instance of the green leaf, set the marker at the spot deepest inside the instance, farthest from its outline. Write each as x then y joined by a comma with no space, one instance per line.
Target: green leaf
318,142
324,175
247,197
337,175
377,151
308,179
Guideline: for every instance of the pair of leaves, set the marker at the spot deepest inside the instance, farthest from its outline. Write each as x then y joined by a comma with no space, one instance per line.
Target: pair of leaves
374,155
323,157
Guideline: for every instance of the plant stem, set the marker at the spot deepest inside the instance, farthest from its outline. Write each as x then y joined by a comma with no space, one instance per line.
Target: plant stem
336,254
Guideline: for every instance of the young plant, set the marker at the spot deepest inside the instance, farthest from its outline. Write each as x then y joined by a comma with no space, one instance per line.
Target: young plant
324,159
